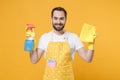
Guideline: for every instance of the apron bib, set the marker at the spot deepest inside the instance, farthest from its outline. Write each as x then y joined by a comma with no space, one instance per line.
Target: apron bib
58,62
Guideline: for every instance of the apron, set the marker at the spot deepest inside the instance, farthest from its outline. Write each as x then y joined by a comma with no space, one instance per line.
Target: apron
58,62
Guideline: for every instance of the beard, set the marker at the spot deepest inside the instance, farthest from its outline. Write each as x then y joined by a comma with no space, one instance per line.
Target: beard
58,28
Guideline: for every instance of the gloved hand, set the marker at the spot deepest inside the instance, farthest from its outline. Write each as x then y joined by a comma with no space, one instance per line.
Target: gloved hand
88,34
30,34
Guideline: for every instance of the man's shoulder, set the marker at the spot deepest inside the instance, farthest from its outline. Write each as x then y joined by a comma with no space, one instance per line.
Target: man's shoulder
71,34
46,35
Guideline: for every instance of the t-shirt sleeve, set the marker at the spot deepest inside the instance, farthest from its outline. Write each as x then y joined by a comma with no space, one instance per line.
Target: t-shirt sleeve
41,44
78,43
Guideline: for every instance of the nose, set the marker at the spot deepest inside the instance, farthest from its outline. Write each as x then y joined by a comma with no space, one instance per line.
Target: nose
58,21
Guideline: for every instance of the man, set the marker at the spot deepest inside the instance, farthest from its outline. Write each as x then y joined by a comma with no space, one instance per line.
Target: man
58,47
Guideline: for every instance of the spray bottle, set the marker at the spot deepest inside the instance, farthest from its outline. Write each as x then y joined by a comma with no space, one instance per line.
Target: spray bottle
30,35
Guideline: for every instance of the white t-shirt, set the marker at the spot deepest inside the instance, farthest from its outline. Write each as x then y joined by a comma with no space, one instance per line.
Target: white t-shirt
73,40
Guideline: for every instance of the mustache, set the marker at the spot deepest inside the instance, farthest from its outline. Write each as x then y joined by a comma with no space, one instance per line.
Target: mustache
58,24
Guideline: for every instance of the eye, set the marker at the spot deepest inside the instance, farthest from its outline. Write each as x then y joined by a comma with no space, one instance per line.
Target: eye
62,18
55,18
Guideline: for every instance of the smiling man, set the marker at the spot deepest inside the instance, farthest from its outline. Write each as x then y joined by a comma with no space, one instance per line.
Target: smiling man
58,47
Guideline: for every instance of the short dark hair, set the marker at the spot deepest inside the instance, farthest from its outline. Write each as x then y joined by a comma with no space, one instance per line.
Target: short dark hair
59,9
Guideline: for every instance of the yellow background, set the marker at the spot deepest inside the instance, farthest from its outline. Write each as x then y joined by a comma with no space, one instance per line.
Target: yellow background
15,14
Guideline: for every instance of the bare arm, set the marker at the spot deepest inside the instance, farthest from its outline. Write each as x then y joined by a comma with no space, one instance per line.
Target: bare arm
36,55
87,55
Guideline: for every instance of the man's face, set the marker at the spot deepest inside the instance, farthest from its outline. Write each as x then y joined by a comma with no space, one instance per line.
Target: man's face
58,20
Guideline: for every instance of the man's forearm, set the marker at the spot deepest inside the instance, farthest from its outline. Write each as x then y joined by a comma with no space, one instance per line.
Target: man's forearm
89,55
34,56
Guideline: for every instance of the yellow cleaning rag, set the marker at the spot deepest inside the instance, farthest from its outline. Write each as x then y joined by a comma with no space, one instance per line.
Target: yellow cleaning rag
88,33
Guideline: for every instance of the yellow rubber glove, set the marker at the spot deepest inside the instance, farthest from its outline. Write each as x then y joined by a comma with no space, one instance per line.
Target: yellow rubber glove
30,33
88,34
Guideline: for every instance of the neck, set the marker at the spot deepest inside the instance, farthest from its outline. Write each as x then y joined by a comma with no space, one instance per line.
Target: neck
59,32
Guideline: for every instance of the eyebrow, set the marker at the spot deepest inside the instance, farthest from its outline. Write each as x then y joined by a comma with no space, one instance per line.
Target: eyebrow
57,17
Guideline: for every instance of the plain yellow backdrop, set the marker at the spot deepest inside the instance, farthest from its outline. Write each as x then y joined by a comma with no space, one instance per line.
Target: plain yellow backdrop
15,14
